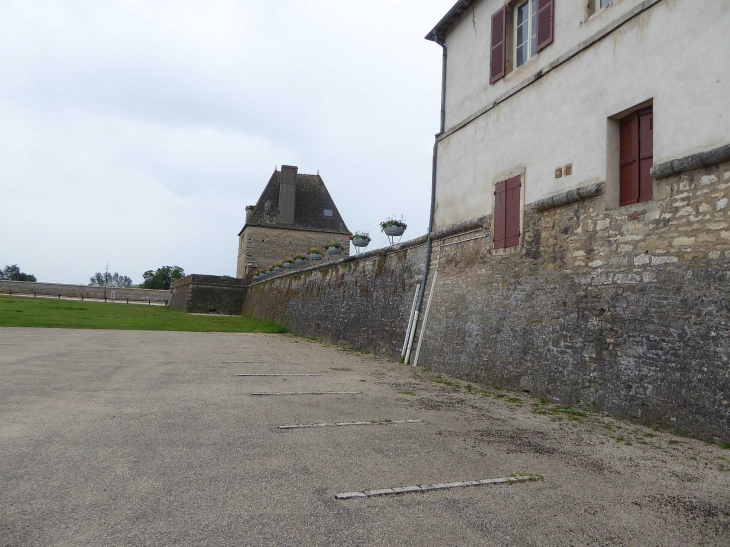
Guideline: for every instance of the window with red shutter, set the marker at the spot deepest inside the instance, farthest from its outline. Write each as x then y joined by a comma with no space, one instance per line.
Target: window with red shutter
512,212
629,160
497,62
507,213
545,23
636,157
646,153
499,215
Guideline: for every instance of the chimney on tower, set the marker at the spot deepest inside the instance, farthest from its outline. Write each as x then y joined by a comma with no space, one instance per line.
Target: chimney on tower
249,211
287,194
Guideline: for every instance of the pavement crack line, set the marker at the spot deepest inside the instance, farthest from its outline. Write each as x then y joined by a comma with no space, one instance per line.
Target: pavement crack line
256,363
345,424
277,375
261,394
433,487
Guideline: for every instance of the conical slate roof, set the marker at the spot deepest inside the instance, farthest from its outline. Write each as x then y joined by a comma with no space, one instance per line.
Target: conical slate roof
312,201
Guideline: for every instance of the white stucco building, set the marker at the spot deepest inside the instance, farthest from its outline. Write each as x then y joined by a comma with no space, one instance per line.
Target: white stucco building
539,89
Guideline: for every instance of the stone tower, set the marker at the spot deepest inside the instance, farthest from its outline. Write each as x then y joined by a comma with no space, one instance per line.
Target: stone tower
294,213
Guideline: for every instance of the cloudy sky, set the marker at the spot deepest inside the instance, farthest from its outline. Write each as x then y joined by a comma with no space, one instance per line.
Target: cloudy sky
137,131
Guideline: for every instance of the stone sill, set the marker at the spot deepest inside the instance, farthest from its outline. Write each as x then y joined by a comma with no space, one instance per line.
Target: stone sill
509,251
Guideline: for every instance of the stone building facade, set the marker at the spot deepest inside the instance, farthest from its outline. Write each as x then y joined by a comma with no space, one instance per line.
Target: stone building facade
580,244
623,311
554,113
294,213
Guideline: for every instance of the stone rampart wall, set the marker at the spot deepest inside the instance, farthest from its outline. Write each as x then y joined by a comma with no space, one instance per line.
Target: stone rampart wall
77,291
625,311
362,302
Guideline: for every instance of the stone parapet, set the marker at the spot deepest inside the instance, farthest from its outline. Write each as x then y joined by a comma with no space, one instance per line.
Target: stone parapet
209,294
450,231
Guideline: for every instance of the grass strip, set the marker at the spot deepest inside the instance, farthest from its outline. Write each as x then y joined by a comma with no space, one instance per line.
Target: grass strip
64,314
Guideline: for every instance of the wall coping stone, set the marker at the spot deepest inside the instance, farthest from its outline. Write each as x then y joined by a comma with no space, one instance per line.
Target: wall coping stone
571,196
475,223
352,258
707,158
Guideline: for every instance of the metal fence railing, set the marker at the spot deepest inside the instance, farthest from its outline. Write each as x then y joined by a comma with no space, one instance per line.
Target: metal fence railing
108,298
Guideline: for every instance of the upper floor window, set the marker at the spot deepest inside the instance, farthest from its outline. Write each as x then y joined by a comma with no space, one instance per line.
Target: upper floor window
520,30
328,213
526,32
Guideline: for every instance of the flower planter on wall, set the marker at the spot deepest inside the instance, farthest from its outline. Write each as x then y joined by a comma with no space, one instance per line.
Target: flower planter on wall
395,231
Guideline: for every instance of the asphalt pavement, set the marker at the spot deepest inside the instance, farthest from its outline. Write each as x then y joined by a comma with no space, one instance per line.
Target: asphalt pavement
151,438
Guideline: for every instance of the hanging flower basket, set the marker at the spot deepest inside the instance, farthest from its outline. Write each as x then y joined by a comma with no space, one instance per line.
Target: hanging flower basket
315,254
300,259
393,227
360,239
334,248
288,264
278,268
394,231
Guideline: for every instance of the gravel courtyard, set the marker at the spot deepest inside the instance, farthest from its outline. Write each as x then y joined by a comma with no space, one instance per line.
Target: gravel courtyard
151,438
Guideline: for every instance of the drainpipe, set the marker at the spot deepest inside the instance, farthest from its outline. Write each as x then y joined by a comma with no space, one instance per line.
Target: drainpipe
429,243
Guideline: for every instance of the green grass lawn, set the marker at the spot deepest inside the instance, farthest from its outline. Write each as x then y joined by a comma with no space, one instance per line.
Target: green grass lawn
66,314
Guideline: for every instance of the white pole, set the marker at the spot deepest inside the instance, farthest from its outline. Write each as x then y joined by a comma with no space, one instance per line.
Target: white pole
411,336
425,317
410,321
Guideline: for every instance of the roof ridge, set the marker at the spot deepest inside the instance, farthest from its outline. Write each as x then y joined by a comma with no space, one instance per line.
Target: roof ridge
313,199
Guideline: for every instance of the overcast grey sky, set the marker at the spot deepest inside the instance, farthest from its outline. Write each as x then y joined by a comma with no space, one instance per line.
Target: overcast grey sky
137,131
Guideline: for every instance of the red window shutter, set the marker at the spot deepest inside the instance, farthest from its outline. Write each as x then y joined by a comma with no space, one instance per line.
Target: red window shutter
646,153
499,215
499,41
512,212
545,23
629,160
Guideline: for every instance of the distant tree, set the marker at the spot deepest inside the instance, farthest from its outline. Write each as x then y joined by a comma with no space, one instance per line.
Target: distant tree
100,279
162,278
13,273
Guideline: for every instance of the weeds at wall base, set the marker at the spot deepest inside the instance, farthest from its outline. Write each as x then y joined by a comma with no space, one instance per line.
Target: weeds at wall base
615,429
